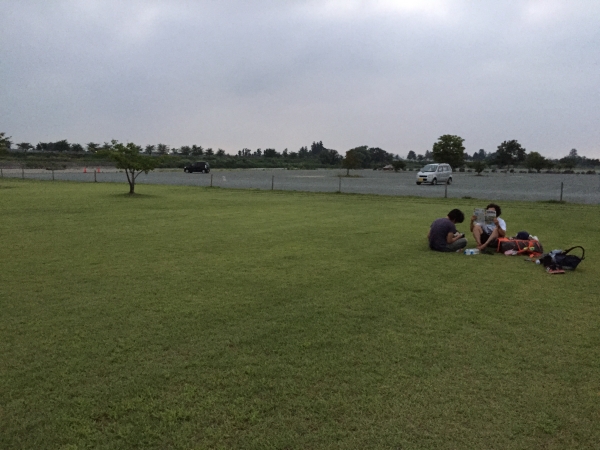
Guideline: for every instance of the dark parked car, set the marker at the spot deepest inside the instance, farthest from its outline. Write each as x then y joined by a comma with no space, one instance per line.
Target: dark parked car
200,166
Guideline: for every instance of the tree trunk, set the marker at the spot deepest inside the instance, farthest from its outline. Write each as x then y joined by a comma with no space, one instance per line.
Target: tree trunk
131,182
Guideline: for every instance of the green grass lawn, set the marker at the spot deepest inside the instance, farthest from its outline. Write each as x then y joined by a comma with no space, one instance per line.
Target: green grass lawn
190,317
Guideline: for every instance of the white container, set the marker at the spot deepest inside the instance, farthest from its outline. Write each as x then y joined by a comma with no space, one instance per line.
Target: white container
472,251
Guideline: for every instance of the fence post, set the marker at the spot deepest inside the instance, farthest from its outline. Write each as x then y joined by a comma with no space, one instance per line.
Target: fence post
272,182
561,190
95,177
211,179
52,174
446,190
22,172
340,185
1,173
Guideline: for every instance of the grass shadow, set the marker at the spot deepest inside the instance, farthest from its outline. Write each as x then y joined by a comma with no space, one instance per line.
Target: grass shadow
134,196
559,202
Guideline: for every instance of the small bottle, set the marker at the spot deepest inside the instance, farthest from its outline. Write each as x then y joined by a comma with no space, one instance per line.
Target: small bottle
471,251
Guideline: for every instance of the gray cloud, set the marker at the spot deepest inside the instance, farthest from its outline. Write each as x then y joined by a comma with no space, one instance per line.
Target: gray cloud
233,74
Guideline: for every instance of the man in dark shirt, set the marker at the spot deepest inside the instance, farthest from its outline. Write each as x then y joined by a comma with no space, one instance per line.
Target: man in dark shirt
443,236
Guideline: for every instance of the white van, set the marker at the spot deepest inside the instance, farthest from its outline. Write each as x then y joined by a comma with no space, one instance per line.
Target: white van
435,173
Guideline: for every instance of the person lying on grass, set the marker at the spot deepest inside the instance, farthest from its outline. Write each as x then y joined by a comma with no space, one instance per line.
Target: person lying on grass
443,236
487,235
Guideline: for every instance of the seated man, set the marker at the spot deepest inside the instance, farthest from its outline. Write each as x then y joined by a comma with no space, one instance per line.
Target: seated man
443,236
486,235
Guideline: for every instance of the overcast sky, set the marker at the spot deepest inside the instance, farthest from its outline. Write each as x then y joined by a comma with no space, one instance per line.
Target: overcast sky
395,74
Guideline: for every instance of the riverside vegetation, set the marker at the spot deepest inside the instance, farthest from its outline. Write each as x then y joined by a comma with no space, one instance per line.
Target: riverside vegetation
185,317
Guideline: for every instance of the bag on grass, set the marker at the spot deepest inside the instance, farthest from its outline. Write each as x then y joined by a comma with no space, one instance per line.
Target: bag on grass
521,246
563,259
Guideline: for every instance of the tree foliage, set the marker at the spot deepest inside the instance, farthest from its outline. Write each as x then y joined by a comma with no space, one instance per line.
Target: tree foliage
398,165
478,166
62,146
510,153
536,161
132,161
568,162
411,155
379,156
92,147
5,142
162,149
25,146
354,159
316,148
449,149
329,156
303,152
197,150
480,155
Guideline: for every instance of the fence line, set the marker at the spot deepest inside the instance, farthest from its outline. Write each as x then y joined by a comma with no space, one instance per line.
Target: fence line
582,192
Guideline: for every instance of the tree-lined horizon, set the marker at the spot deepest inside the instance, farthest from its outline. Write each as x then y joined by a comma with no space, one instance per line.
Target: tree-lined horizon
448,149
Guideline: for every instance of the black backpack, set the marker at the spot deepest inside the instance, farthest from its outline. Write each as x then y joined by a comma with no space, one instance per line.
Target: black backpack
563,259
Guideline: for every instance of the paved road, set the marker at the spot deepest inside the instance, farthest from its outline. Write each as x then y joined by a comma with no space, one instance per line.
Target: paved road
498,186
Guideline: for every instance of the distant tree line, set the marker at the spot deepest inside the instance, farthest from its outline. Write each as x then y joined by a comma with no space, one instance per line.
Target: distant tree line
448,149
317,153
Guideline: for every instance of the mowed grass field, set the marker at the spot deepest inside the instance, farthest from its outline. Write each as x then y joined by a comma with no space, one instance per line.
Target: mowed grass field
192,318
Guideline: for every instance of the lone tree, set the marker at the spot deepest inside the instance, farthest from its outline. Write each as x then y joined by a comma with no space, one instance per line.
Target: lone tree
353,160
536,161
449,149
478,166
510,152
129,158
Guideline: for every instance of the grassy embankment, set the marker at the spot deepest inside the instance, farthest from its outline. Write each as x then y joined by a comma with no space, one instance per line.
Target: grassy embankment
195,318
